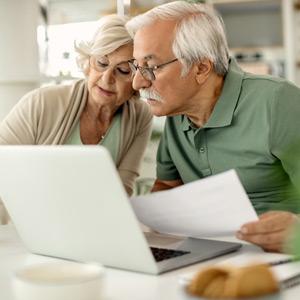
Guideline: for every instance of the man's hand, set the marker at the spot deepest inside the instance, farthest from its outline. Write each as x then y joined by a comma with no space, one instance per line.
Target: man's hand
271,231
161,185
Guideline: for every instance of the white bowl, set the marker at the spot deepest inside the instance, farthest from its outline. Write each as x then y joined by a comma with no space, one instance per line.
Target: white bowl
59,281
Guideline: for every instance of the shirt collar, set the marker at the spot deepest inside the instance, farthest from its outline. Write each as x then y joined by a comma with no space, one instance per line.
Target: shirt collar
223,111
186,123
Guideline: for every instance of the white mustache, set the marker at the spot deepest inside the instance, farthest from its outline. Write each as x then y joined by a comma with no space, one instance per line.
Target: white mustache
150,94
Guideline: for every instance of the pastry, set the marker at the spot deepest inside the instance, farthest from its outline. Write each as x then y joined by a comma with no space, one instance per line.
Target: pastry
232,282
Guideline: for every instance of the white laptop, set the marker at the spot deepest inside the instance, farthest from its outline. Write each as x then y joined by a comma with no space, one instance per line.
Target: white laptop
69,202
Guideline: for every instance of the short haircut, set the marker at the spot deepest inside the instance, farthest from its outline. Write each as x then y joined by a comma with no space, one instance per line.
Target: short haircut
110,35
199,35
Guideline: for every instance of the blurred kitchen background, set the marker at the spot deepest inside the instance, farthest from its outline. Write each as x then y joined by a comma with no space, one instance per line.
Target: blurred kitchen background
37,41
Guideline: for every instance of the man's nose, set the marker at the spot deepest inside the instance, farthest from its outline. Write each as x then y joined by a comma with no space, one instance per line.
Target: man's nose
139,82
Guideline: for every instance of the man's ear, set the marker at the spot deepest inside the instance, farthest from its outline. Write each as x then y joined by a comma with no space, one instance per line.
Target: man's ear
203,69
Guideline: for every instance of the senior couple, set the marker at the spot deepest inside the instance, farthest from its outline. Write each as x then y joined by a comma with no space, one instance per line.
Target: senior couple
218,117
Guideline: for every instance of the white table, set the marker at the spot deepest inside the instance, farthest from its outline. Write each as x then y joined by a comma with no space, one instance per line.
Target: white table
119,284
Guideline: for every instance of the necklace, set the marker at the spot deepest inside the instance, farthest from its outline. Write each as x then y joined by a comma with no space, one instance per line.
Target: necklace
93,129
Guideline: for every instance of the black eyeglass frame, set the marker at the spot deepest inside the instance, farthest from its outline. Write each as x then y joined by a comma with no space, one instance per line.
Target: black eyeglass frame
148,72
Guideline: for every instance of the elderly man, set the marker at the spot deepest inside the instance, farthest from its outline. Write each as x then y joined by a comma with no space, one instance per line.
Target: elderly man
219,117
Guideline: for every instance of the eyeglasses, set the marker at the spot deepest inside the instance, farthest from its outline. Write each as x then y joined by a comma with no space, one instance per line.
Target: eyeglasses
147,72
121,71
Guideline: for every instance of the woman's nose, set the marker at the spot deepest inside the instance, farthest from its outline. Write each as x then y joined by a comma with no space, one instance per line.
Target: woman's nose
108,75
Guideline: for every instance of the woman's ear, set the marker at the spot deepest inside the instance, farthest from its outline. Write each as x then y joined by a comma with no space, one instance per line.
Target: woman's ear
203,69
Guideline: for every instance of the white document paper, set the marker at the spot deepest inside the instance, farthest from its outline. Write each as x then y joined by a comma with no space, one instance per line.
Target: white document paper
215,206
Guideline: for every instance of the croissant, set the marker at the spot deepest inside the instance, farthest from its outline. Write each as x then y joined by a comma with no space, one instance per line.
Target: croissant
232,282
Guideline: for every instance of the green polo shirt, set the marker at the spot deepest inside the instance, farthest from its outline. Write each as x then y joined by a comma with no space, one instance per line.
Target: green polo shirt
254,129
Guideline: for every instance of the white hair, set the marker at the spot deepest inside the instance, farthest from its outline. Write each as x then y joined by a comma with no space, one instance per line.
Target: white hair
110,35
200,33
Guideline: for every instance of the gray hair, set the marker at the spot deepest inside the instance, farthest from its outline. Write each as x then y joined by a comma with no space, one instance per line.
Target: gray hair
200,33
110,35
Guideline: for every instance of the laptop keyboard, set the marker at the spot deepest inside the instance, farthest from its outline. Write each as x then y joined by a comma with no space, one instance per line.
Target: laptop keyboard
161,254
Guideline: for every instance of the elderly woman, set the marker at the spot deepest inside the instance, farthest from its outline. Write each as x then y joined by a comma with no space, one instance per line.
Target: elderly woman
102,109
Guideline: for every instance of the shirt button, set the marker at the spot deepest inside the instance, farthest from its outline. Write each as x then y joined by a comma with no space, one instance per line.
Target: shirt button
202,150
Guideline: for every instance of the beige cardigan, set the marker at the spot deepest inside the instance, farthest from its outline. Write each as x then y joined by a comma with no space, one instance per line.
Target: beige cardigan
46,116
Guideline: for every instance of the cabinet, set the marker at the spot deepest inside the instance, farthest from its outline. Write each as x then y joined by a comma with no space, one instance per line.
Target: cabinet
263,33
